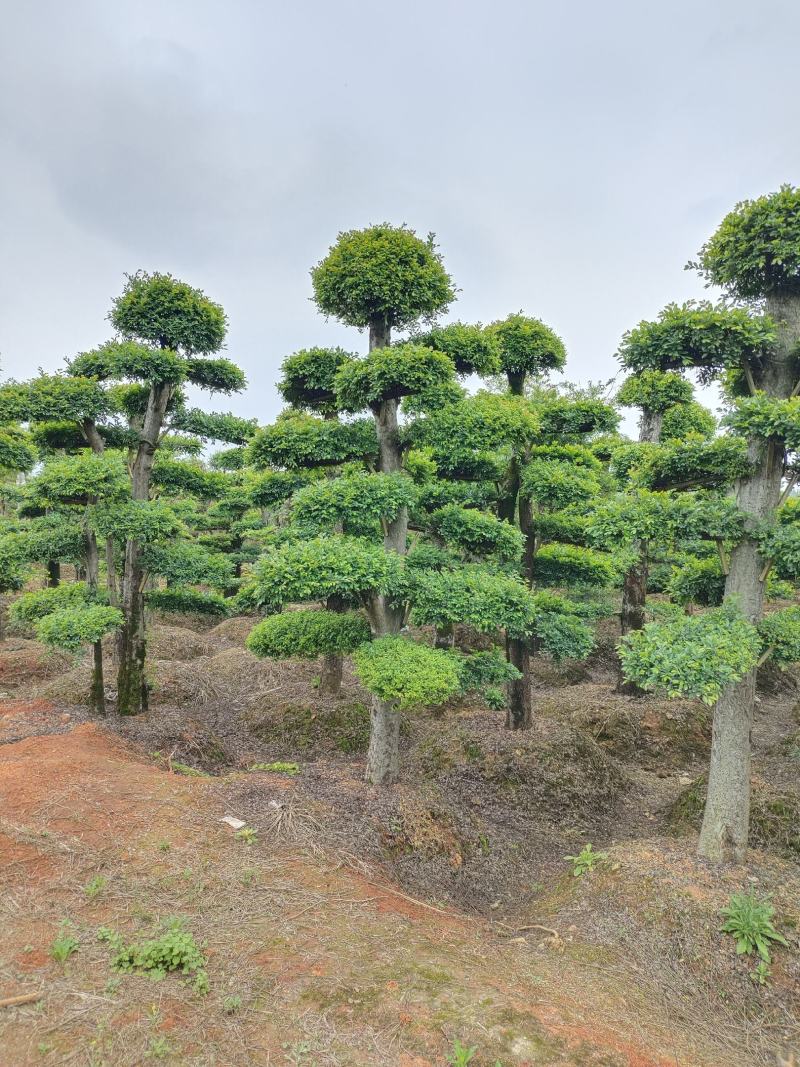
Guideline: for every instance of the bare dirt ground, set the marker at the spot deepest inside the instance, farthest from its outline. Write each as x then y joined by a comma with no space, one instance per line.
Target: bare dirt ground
367,928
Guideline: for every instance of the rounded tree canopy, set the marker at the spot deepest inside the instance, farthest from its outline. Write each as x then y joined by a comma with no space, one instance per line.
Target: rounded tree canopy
186,476
383,274
186,563
270,489
70,628
406,673
684,419
160,310
528,347
391,373
482,422
756,249
692,463
473,349
654,390
698,334
215,375
32,606
696,656
473,596
564,419
321,567
308,633
130,360
79,478
477,533
308,378
564,565
298,440
697,581
356,501
52,397
557,484
765,416
216,426
16,451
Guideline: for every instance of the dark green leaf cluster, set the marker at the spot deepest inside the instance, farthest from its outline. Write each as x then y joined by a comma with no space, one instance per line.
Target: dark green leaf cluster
473,596
228,459
565,419
554,485
406,673
186,476
565,565
756,249
160,310
308,633
479,423
693,463
79,478
437,493
356,502
481,670
304,441
308,378
322,567
53,536
768,417
187,601
16,452
697,581
32,606
478,534
696,656
214,426
575,455
184,563
52,397
274,487
701,335
781,545
654,390
144,521
130,360
13,571
382,274
473,349
82,624
391,373
685,419
215,375
528,347
780,635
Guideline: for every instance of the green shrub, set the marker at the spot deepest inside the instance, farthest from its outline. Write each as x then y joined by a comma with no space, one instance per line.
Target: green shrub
749,921
70,628
175,950
308,634
187,601
406,673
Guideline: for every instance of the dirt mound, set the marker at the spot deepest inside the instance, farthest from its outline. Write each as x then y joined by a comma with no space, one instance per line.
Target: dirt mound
774,815
232,632
23,662
655,906
70,687
653,732
340,726
175,642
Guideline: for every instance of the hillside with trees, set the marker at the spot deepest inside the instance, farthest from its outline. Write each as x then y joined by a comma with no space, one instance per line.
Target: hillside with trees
475,715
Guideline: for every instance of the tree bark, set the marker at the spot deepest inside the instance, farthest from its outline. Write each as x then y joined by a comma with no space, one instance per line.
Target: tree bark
383,756
330,679
519,714
726,820
132,687
97,695
53,573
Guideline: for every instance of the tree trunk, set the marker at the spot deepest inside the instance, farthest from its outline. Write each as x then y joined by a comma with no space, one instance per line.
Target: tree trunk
97,696
383,756
330,679
132,688
53,573
111,573
444,637
650,425
726,820
519,714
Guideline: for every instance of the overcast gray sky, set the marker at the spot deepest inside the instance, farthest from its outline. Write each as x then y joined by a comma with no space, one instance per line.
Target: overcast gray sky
570,157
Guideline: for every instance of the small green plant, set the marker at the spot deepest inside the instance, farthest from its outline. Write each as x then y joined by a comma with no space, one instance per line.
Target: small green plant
761,974
231,1005
184,768
749,921
164,846
586,860
158,1048
64,945
461,1055
247,835
278,767
174,950
44,1047
248,876
95,886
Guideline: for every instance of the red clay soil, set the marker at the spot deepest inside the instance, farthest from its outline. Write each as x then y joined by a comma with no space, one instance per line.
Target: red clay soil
309,960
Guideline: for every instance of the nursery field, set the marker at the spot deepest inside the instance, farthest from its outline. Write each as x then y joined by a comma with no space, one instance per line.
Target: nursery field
356,925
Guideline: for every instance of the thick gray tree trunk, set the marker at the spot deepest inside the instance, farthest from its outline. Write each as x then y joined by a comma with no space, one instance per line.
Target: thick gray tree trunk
132,687
383,755
726,820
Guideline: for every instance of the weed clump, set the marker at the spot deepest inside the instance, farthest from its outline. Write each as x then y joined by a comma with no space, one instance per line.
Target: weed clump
175,950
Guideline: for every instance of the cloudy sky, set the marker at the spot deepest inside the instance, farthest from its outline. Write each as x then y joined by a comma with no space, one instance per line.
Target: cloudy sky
570,157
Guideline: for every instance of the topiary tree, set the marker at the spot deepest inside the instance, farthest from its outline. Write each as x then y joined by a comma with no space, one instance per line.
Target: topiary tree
754,255
168,333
